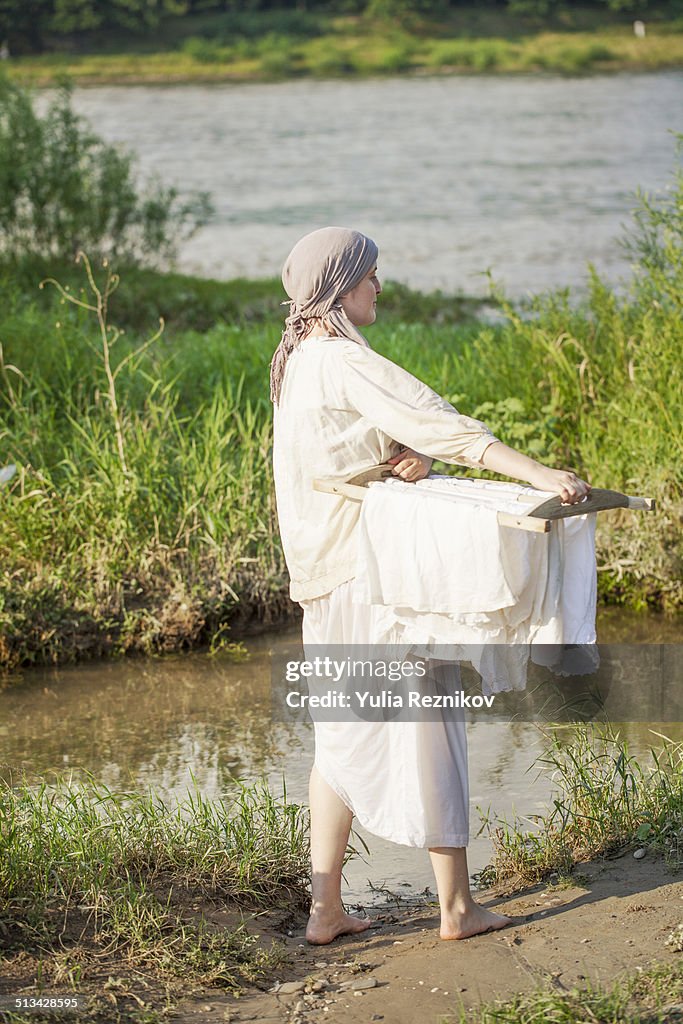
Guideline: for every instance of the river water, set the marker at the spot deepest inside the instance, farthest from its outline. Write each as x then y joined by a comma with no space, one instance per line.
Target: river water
158,722
528,176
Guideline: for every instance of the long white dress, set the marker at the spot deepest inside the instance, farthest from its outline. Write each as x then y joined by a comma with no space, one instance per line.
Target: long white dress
406,781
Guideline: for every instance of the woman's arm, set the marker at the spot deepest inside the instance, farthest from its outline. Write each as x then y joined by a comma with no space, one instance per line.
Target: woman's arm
411,413
501,459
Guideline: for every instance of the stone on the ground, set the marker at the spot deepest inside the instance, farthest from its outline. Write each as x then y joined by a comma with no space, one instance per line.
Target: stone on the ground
364,983
290,988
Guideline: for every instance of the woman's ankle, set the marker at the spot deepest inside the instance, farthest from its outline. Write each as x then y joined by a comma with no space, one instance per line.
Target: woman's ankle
326,908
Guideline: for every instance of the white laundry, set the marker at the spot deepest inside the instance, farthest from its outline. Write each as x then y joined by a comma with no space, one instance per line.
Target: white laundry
461,586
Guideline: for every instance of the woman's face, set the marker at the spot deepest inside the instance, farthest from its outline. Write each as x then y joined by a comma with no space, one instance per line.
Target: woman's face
360,303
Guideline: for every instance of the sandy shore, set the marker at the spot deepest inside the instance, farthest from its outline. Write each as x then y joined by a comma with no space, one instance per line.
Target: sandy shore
614,920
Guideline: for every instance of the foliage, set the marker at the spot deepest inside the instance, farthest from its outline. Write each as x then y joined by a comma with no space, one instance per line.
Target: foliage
148,523
32,26
28,22
656,244
62,189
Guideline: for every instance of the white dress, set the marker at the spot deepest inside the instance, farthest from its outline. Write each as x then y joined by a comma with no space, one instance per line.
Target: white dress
405,781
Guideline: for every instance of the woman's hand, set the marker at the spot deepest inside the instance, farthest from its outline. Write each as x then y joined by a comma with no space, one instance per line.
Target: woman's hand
410,466
568,485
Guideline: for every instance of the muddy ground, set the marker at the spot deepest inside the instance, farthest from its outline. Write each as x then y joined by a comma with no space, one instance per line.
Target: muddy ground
615,919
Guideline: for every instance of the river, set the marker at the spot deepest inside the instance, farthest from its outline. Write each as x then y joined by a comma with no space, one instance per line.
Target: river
529,176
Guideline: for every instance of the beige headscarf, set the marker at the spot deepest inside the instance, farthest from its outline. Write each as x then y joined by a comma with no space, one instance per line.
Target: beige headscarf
321,267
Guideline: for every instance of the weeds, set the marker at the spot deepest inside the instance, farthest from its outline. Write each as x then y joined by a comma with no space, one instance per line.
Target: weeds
112,876
606,802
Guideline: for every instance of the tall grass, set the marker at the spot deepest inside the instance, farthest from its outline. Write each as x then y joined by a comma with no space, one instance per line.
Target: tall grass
151,526
606,801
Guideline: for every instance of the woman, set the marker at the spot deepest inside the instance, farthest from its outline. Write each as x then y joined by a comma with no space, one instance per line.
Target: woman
340,408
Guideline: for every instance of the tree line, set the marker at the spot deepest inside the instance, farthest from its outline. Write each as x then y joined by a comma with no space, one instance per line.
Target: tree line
35,25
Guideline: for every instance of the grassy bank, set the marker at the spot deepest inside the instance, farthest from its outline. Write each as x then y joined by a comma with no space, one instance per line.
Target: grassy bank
142,516
136,905
110,894
286,44
606,803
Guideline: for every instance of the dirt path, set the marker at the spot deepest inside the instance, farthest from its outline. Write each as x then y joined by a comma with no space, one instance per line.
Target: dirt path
616,918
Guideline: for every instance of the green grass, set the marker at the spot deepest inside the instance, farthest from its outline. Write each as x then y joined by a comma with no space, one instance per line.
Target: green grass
606,802
142,517
284,44
652,995
95,878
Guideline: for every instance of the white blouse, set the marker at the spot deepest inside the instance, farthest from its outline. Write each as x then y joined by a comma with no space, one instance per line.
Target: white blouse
344,408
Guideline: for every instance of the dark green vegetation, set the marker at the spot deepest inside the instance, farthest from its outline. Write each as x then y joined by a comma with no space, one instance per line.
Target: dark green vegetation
142,515
106,893
36,25
63,189
173,41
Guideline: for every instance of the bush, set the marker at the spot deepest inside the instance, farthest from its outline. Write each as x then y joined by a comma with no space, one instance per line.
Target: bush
330,61
452,53
62,189
203,50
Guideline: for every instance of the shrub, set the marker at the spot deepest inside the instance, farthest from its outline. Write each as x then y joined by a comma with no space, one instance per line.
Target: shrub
330,61
205,51
62,188
395,59
452,53
277,54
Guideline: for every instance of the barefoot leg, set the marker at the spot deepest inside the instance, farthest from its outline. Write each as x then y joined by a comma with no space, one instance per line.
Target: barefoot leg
330,827
460,915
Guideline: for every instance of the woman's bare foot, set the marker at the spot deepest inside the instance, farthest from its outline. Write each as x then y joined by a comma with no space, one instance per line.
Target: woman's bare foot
324,927
472,921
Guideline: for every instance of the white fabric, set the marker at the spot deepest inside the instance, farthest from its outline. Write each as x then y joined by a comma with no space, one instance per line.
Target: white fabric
404,781
344,408
448,576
